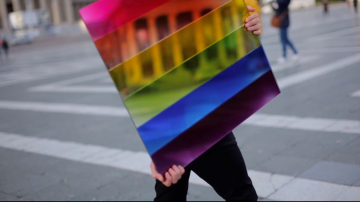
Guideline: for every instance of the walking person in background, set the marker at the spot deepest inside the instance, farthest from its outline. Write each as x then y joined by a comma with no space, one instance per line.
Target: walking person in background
281,20
326,6
1,42
5,47
356,5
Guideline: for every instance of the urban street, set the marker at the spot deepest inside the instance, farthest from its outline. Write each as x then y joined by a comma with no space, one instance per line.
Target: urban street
66,135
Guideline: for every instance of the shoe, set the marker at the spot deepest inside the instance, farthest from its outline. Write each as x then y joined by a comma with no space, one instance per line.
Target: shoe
295,57
281,60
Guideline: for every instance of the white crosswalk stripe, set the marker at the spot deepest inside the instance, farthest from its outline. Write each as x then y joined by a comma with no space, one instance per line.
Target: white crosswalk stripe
263,120
333,35
77,89
356,94
318,71
310,124
310,190
26,74
63,86
65,108
274,186
289,65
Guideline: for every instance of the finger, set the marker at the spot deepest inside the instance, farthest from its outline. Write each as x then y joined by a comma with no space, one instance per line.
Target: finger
251,17
158,177
155,174
173,176
251,9
253,22
182,170
168,181
258,32
255,27
178,172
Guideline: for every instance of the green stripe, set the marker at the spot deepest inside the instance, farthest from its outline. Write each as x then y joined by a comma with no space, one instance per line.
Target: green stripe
182,80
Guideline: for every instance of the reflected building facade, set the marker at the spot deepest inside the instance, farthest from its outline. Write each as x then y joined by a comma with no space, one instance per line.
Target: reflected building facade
129,53
62,11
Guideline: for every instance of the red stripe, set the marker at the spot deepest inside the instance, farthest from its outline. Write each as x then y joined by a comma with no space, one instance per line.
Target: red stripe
105,16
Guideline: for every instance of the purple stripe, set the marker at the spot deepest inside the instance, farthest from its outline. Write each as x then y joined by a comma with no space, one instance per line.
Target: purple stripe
203,135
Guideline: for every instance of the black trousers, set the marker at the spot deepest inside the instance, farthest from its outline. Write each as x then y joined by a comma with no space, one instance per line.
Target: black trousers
223,167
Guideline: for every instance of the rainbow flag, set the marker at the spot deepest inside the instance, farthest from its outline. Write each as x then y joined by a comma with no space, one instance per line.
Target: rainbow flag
187,70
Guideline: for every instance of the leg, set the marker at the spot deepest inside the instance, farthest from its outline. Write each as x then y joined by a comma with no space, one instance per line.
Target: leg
288,41
326,8
223,167
355,6
283,40
6,53
176,192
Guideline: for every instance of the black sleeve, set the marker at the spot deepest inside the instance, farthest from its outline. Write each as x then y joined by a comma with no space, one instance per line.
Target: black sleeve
283,3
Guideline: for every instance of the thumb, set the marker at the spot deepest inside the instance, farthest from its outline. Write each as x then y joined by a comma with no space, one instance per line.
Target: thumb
251,9
155,173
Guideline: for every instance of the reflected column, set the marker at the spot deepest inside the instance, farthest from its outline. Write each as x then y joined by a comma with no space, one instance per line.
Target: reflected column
178,59
55,7
43,4
69,10
4,16
29,5
156,54
16,5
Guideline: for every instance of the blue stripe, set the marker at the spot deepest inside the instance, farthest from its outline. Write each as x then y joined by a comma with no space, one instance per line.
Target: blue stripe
173,121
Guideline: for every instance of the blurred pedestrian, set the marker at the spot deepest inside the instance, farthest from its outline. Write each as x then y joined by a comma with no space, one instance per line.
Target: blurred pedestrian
326,6
356,5
222,166
281,20
5,47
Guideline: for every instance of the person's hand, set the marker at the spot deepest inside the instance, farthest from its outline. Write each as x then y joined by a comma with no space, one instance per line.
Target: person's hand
253,22
173,175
